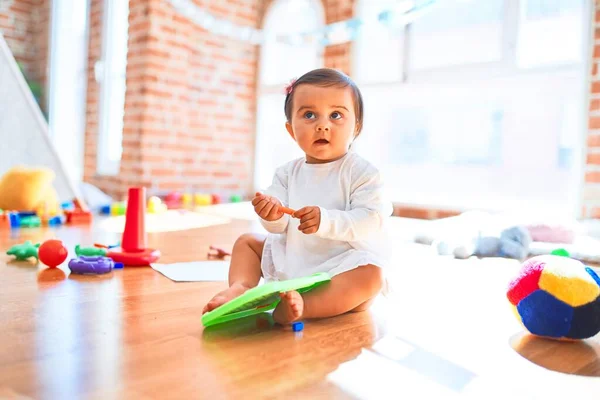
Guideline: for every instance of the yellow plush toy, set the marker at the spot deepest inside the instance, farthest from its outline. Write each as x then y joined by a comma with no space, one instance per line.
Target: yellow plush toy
28,189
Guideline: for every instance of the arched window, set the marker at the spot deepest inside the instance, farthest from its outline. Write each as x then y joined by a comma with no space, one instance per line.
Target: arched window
488,112
377,50
280,62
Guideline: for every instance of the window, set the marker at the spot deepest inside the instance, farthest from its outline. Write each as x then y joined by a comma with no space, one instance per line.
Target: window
477,120
381,45
68,82
110,73
551,32
457,32
281,61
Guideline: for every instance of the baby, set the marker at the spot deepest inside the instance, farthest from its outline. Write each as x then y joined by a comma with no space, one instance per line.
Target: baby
339,225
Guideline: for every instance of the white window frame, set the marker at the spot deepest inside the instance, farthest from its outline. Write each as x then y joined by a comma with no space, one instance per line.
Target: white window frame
506,67
103,74
275,89
67,83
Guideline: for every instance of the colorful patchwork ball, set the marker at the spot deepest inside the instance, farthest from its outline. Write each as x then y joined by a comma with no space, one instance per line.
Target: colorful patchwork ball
556,297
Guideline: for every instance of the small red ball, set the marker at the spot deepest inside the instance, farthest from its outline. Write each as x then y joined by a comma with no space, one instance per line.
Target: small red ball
52,253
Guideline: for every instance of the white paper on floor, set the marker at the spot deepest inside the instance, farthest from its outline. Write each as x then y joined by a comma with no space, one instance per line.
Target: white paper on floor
195,271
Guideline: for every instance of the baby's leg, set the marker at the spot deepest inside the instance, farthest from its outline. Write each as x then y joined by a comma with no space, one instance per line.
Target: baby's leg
244,271
349,291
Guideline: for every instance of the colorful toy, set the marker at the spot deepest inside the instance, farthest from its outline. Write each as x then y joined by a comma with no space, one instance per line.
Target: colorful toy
261,298
513,242
133,251
556,297
52,253
15,220
55,221
236,198
24,251
4,220
46,213
105,210
560,252
30,221
297,326
89,251
28,188
201,199
118,208
80,213
215,199
186,200
91,265
155,205
218,253
173,200
103,246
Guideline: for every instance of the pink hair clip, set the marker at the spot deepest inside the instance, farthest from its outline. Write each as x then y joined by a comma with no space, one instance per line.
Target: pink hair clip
290,86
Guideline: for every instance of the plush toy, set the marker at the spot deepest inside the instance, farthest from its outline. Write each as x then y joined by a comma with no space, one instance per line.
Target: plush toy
556,297
513,242
28,189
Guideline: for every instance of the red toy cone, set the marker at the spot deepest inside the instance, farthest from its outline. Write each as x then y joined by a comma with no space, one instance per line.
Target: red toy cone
133,250
134,235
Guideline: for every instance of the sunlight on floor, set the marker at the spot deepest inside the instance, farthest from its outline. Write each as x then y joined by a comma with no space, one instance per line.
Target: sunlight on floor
169,221
243,210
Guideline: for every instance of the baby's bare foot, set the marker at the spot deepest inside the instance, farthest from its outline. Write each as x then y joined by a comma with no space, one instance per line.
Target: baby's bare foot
289,309
223,297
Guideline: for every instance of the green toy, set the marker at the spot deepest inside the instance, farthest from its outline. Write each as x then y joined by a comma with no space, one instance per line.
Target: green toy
261,298
30,221
89,251
560,252
24,251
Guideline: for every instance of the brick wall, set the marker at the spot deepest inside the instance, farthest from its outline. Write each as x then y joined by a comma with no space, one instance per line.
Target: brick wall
41,43
591,180
190,102
591,190
339,56
25,26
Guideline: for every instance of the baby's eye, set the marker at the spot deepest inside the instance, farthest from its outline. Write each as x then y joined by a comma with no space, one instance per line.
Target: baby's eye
336,115
309,115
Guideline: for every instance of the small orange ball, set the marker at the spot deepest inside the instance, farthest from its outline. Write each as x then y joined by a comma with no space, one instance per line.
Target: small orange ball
52,253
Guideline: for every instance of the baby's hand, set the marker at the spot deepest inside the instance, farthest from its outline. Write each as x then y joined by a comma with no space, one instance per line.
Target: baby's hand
267,207
310,219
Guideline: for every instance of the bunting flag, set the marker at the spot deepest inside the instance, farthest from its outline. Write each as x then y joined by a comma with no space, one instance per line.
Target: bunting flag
404,12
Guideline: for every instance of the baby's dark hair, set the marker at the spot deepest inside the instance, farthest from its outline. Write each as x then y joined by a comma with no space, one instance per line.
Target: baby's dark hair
326,77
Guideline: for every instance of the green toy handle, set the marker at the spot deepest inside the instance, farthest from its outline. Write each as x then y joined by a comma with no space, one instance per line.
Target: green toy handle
89,251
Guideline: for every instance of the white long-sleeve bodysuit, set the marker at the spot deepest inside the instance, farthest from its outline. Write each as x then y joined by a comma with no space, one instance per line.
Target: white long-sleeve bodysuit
354,214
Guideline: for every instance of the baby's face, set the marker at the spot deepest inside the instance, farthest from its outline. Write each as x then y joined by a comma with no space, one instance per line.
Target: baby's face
323,122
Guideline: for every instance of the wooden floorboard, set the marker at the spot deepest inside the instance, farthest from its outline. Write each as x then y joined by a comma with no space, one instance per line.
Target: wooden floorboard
445,330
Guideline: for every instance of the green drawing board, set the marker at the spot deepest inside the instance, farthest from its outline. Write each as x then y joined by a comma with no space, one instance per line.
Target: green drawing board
261,298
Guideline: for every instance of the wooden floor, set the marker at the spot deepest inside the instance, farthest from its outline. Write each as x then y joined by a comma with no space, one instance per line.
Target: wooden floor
446,330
